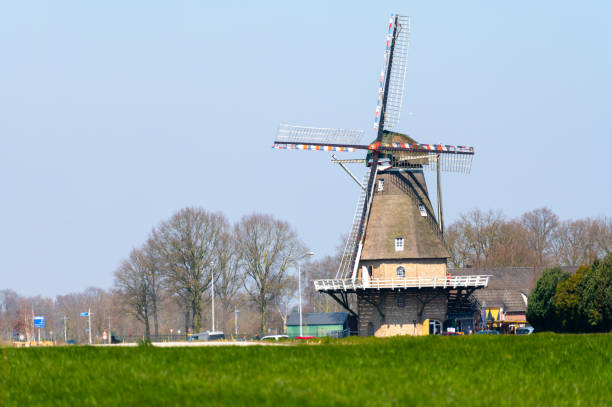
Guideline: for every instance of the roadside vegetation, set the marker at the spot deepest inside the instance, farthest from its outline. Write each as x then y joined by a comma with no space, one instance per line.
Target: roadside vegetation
540,369
579,302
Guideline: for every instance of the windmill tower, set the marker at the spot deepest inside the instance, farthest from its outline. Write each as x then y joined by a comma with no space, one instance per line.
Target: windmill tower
395,257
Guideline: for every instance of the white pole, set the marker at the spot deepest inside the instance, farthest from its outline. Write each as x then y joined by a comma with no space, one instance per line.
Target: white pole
109,330
236,322
213,300
300,292
65,330
300,285
89,317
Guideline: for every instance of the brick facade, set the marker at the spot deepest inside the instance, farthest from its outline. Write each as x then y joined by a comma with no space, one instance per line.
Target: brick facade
399,320
387,270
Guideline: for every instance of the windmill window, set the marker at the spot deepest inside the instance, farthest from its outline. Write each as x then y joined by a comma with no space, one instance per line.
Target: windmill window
422,210
401,272
381,185
399,244
401,301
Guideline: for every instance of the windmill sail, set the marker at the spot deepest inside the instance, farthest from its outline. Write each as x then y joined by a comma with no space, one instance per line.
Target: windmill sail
288,133
389,105
397,79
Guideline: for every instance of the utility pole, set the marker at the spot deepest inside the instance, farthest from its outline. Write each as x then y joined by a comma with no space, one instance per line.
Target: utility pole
213,300
109,330
89,318
236,312
65,329
300,285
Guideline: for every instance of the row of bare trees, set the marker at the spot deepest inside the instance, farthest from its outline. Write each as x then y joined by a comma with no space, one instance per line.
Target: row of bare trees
185,255
62,315
537,238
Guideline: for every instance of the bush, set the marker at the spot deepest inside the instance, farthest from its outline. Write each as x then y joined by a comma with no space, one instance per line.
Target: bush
596,301
541,312
568,302
581,302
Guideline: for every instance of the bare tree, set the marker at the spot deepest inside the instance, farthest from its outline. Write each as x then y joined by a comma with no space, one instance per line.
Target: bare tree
155,276
285,298
188,244
540,225
229,278
581,241
481,231
267,248
133,286
458,245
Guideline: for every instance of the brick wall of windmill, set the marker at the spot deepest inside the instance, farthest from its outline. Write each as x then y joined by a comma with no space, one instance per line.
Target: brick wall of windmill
413,268
400,320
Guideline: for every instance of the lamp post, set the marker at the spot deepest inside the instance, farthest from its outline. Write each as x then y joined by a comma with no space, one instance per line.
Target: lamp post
300,285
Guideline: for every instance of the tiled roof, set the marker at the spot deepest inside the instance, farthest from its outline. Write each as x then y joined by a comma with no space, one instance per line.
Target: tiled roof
395,214
506,285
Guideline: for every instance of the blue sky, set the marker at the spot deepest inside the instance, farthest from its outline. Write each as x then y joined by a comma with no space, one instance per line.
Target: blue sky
115,114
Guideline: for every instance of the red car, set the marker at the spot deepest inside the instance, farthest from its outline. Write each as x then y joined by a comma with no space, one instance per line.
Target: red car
304,338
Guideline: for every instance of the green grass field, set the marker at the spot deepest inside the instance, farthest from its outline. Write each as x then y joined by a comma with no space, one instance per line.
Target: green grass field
479,370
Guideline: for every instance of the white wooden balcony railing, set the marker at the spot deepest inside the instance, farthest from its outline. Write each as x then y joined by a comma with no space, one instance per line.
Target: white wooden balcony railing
418,282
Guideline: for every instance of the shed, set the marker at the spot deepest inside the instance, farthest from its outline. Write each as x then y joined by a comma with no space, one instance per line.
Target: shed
318,324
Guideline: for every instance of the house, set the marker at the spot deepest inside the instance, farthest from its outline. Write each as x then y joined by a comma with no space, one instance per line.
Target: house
504,301
319,324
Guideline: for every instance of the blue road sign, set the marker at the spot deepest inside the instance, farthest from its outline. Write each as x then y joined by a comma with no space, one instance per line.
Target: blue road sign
84,314
39,322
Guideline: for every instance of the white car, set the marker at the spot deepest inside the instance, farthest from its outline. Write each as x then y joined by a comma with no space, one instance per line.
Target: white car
275,337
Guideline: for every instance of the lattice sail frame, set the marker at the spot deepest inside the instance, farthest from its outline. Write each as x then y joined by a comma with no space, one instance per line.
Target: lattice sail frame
397,76
426,156
325,135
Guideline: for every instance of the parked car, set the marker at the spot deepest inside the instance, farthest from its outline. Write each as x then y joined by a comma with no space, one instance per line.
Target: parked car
488,332
116,339
273,337
528,330
304,338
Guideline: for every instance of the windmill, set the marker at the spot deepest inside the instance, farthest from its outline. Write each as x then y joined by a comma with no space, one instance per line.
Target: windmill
394,227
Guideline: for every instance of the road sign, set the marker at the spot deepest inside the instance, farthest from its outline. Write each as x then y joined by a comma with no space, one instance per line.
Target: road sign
39,322
104,337
84,314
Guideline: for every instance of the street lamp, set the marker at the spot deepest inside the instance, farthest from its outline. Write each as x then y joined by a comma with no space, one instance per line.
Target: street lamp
300,284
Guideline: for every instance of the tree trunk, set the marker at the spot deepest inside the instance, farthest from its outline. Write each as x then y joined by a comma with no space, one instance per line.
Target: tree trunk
155,318
262,326
186,320
147,327
196,309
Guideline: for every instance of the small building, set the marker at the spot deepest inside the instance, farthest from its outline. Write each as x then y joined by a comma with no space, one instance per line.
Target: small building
319,324
502,304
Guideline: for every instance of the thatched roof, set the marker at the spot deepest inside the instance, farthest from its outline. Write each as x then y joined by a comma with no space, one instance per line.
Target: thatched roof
395,213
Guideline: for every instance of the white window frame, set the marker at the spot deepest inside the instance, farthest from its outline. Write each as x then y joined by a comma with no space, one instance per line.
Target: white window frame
399,244
422,210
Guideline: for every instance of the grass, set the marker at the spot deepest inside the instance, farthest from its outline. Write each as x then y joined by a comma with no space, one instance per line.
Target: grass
543,369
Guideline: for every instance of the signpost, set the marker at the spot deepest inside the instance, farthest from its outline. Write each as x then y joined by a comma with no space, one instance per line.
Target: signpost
88,315
39,322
